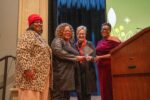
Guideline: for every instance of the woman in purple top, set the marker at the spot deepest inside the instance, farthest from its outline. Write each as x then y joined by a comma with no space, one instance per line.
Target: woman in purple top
103,48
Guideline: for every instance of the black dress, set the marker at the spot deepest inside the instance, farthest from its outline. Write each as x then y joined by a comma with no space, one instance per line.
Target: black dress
86,75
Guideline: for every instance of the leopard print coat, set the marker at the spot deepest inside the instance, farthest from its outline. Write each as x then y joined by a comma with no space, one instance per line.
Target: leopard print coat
33,53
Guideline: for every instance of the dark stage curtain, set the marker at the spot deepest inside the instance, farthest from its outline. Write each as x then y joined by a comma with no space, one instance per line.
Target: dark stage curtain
92,19
76,15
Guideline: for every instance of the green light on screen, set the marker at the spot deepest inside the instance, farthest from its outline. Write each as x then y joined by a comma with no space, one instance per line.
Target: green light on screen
127,17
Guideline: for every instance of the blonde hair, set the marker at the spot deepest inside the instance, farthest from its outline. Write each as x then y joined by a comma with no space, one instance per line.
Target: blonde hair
60,29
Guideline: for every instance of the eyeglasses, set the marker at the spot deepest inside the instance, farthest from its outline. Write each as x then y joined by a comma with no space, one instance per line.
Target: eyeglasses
67,30
81,34
103,29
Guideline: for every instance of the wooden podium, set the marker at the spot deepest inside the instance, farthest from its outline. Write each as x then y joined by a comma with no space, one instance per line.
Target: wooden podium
131,68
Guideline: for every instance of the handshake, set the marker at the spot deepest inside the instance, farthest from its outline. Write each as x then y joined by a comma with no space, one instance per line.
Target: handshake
91,58
84,58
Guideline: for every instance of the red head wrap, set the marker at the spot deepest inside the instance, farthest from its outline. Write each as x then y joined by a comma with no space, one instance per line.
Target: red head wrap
34,17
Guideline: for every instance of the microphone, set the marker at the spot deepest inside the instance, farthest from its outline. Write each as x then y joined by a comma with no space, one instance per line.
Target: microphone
138,28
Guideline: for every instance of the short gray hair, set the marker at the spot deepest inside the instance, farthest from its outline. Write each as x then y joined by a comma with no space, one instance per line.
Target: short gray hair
81,28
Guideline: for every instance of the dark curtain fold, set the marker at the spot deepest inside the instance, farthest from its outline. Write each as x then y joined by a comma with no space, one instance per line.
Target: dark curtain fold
52,19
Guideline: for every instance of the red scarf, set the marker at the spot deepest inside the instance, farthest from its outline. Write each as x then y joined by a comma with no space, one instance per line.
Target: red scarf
80,47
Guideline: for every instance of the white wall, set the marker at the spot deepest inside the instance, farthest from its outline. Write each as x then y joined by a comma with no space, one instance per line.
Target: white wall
8,35
8,26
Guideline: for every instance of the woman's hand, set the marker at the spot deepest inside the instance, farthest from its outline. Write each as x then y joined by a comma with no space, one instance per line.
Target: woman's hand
29,75
80,58
97,58
89,58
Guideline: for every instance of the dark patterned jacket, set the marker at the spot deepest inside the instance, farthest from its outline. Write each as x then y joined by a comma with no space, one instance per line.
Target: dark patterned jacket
64,62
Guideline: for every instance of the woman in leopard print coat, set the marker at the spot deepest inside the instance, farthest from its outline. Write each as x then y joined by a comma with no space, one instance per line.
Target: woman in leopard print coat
33,65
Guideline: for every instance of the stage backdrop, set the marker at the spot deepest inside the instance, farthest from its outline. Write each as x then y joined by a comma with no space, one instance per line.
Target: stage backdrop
128,16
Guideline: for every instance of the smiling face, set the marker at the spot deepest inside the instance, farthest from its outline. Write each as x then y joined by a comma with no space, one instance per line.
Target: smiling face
81,35
38,27
67,34
105,31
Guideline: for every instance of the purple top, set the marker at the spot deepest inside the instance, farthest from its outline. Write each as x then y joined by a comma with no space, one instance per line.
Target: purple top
104,46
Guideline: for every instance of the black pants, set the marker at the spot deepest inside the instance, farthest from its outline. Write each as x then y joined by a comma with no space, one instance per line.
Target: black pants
83,95
60,95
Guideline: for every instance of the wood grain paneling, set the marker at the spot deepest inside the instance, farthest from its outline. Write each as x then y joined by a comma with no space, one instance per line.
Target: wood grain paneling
131,87
131,68
134,57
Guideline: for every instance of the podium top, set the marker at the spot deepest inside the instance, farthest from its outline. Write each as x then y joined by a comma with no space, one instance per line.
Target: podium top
130,40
